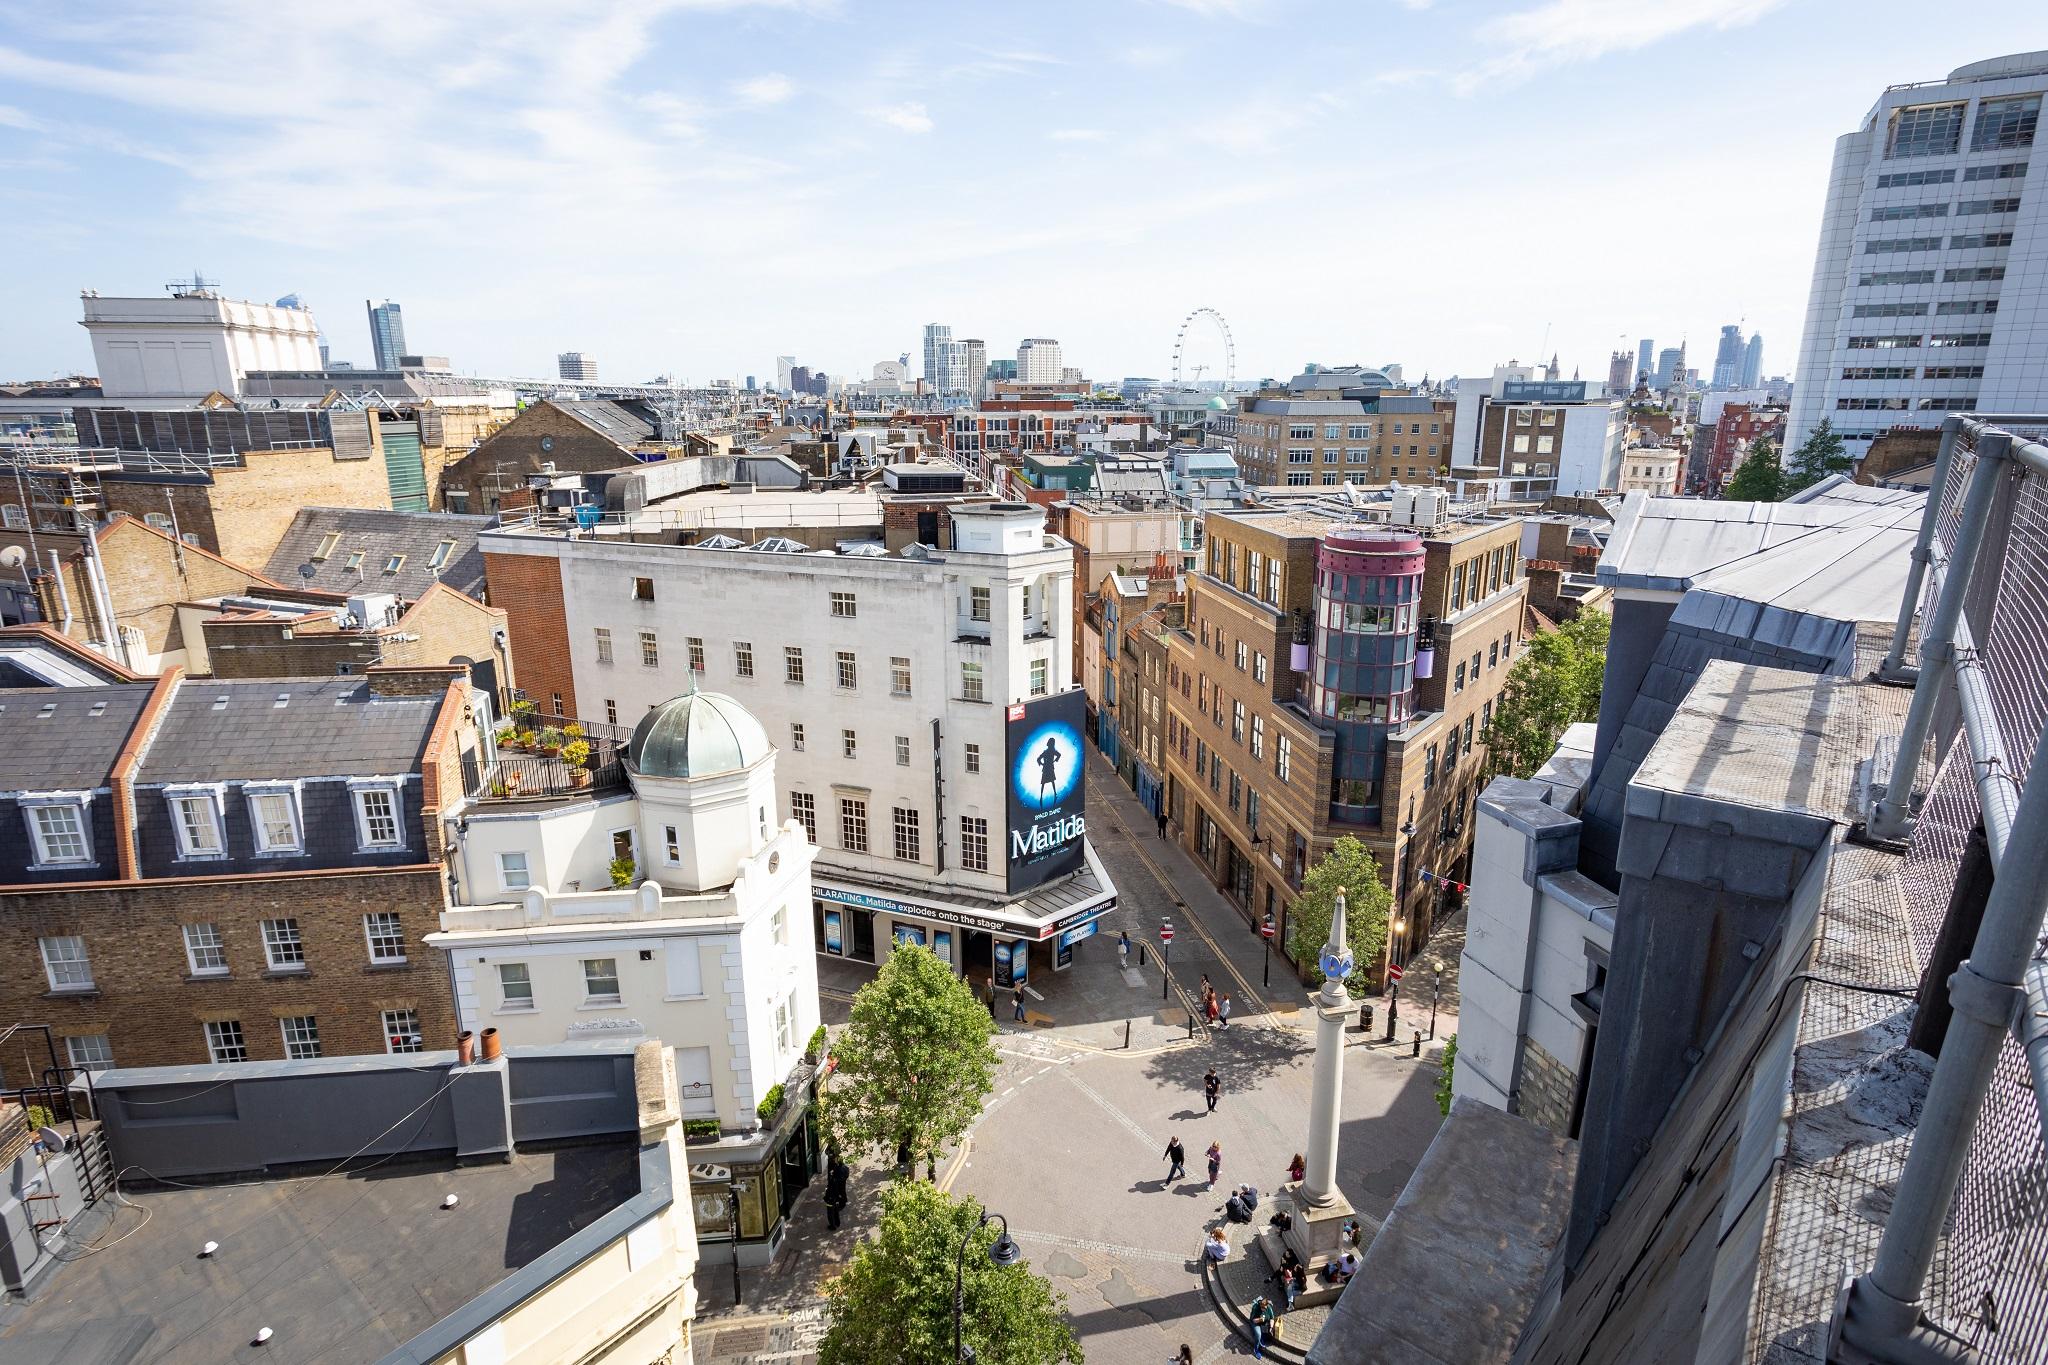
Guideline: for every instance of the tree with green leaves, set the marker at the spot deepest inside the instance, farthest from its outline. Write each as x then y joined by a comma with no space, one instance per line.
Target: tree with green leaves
1350,865
1759,478
915,1061
1555,683
1448,1066
1818,456
893,1304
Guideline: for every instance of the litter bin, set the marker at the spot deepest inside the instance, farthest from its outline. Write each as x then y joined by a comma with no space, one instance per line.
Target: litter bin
1365,1017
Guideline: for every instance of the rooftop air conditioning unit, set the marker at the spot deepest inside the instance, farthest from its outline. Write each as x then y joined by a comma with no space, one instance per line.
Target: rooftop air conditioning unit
374,609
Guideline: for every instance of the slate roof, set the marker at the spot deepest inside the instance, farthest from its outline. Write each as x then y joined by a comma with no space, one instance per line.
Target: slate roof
1669,544
612,421
380,535
65,738
330,727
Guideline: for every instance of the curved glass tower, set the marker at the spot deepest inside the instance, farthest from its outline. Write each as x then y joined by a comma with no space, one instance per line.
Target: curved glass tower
1362,673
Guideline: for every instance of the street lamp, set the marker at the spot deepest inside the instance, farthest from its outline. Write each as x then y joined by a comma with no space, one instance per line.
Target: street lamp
1395,930
1004,1254
732,1203
1436,989
1266,934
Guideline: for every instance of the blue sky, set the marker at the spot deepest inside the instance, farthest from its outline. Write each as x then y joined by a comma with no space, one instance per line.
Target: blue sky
698,186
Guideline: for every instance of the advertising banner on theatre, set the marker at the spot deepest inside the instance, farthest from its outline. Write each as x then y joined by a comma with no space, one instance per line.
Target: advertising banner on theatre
1046,817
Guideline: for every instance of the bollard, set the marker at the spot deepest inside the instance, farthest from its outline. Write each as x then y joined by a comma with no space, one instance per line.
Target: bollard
1191,1023
1418,1044
1141,954
1365,1017
1127,1035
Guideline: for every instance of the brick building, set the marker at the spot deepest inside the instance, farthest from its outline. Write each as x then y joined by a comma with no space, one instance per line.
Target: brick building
1333,677
1125,669
579,437
1739,427
201,870
1316,438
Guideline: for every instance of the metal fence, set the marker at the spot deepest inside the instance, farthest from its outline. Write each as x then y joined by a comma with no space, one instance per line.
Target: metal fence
1981,701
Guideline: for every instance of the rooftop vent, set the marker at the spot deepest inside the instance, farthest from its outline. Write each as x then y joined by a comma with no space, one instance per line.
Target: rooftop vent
781,545
722,542
283,700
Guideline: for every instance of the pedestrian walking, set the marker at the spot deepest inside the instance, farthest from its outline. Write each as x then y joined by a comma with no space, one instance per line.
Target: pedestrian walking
992,997
1223,1013
1297,1169
1018,996
1207,989
1215,1160
1176,1159
1209,1009
836,1173
1211,1088
1162,834
1187,1352
1123,948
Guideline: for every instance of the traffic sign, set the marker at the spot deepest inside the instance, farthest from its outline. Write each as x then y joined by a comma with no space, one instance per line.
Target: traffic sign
1165,932
1266,929
1393,972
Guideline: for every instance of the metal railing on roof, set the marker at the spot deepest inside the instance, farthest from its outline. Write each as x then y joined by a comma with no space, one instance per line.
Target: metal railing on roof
1975,1173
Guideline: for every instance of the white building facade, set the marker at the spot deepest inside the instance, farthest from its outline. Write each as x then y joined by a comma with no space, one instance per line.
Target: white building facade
1930,284
1038,361
193,343
893,686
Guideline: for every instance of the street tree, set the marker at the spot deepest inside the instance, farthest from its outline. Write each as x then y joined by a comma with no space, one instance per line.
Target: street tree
893,1304
1818,456
1448,1067
1555,683
1350,865
1759,478
915,1061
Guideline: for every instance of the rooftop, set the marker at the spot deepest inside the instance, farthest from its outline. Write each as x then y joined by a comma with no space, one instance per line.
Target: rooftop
284,728
377,536
64,738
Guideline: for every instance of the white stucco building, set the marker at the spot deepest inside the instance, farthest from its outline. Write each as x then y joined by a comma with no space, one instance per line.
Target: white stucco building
193,343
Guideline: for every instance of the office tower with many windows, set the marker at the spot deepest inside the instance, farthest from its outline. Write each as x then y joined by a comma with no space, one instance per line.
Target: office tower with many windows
1038,361
1670,367
1728,358
1646,351
1930,285
1753,361
945,360
574,365
387,333
973,364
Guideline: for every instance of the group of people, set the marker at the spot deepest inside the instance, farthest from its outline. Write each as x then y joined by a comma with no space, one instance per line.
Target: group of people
1215,1010
1241,1207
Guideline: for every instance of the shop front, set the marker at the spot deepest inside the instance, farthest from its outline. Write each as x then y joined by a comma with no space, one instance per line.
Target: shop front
758,1176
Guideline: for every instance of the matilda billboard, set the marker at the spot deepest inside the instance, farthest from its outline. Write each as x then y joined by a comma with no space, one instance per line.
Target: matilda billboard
1047,821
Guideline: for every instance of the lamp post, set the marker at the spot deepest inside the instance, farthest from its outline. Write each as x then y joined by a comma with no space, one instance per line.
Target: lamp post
1004,1254
732,1203
1395,930
1436,990
1266,934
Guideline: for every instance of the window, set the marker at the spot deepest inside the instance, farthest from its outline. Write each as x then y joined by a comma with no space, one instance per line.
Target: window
1492,653
156,521
977,604
402,1031
275,818
903,751
849,675
515,986
643,590
1882,277
604,645
65,963
1971,274
1902,179
354,563
695,644
1258,736
792,664
1959,339
439,559
849,744
1890,310
1298,479
1301,431
204,953
843,604
327,546
2003,123
611,711
224,1041
385,935
377,818
197,823
1893,213
2006,170
1884,343
394,564
971,688
555,704
600,981
909,839
796,736
301,1037
1041,671
650,649
853,824
778,929
743,658
1970,241
1283,757
1878,372
973,755
974,843
90,1051
1972,207
58,831
1948,372
1237,721
803,808
1965,307
283,950
1926,130
1889,246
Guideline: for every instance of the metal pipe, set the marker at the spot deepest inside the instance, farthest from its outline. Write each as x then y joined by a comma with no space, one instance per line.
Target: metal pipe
1997,781
1892,816
2032,454
1987,991
63,593
2033,1035
1909,605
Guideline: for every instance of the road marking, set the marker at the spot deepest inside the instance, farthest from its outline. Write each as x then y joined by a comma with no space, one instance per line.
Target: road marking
959,1160
1109,1248
1130,1124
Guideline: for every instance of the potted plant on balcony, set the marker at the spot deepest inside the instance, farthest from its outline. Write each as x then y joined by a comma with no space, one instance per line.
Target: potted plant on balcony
576,753
551,741
505,736
572,731
622,872
523,740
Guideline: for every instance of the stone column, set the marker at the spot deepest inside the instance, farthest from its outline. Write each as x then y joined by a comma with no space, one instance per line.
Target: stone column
1333,1007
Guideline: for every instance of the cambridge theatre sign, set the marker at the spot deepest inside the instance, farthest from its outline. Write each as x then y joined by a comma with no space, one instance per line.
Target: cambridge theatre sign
1045,796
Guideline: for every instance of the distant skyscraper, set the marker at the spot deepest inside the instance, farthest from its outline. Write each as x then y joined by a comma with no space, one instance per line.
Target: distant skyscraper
1728,359
1620,376
1644,350
942,359
324,361
1962,147
785,368
577,366
750,383
1038,361
973,364
799,379
1753,361
387,333
1670,366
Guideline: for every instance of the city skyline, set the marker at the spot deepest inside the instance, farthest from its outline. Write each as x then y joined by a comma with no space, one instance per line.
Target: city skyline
559,182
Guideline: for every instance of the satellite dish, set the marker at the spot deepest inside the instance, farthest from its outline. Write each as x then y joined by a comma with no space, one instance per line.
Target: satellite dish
13,557
308,572
52,1140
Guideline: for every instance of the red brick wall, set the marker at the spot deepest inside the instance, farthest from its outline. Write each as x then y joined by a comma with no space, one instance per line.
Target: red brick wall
529,588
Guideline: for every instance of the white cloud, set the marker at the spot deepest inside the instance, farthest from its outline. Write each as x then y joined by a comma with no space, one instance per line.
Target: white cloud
1563,31
1077,135
910,118
772,88
11,117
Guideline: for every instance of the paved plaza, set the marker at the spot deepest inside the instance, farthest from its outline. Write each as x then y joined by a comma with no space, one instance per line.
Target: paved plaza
1069,1147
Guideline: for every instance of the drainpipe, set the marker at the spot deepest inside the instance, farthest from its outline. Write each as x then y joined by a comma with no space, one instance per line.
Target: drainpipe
1894,667
63,593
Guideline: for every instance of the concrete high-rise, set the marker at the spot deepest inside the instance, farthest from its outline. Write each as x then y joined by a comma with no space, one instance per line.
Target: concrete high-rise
945,360
973,364
577,366
1670,366
387,333
1912,313
1645,350
1038,361
1753,361
1728,358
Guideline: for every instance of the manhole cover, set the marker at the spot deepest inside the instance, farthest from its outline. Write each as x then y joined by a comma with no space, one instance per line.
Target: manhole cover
740,1340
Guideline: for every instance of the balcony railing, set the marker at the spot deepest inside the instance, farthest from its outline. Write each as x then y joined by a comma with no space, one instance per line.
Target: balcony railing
533,774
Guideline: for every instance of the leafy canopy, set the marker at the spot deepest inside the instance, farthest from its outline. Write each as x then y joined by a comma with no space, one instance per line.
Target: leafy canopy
1348,864
1759,478
1555,683
893,1305
1443,1078
915,1061
1820,455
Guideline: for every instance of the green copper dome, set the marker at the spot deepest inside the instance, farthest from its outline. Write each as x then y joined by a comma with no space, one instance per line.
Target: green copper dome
696,735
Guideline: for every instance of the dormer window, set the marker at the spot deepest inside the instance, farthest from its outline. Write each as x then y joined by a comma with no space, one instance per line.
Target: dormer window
58,829
274,816
195,819
380,826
